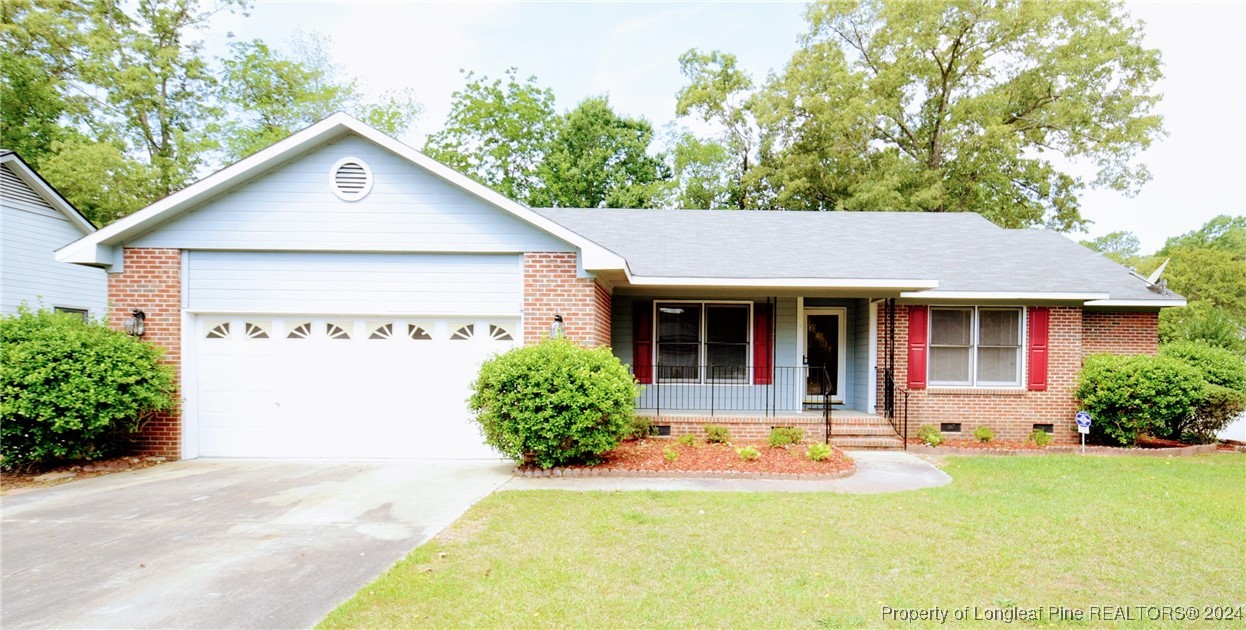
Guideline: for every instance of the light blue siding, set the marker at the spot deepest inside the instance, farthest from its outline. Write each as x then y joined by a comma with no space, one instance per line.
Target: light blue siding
361,284
293,208
32,231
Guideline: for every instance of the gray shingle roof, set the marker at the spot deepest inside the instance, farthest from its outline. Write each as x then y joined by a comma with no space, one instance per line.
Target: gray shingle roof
962,251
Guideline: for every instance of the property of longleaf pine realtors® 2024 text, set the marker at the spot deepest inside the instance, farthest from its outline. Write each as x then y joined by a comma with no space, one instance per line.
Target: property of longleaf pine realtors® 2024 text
1062,613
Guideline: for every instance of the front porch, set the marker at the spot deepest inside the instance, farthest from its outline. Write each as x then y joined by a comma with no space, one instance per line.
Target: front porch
850,429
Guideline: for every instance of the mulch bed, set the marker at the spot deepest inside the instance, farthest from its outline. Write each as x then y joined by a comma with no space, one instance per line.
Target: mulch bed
645,458
65,472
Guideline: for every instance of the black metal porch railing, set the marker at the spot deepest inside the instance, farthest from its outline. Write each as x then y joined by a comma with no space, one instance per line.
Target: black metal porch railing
893,394
716,389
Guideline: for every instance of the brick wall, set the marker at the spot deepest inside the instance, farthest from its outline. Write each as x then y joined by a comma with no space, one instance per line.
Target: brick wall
1011,413
552,286
1120,332
152,282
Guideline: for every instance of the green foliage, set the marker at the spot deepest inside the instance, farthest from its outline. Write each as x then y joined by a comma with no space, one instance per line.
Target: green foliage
1132,395
271,95
929,435
670,454
983,434
721,94
886,106
1040,438
818,452
1224,393
687,440
1120,246
554,403
785,436
598,158
73,390
1202,322
498,133
1208,267
748,453
717,434
639,428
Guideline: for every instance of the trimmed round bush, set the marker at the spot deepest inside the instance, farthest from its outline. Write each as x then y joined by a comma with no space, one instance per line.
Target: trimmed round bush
1224,392
1131,395
73,390
554,403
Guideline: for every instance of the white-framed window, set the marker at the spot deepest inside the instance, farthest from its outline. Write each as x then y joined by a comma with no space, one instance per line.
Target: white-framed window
976,346
703,341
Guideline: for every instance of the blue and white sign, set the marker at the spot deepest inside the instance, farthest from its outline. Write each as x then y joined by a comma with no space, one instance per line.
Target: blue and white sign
1083,421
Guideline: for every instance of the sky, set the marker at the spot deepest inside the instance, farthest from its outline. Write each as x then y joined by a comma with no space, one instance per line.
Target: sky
629,51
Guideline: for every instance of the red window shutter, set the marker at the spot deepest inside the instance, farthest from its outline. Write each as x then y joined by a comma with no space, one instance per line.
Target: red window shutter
918,331
642,342
763,344
1040,326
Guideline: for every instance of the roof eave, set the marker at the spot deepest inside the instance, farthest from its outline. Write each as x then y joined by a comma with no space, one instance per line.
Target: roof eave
881,284
45,190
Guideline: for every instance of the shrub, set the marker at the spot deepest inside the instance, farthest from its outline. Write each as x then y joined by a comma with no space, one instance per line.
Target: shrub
1130,395
784,436
929,435
639,428
670,454
1224,393
748,453
717,434
71,389
984,434
1040,438
818,452
554,403
687,440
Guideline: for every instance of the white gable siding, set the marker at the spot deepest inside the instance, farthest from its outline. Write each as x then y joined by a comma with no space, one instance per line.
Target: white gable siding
293,208
32,230
361,284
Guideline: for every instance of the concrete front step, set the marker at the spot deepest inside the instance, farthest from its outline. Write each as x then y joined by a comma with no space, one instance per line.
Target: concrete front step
860,420
862,430
868,443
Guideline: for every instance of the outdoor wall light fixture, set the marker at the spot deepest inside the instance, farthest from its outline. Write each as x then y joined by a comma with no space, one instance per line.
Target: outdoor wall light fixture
557,330
134,324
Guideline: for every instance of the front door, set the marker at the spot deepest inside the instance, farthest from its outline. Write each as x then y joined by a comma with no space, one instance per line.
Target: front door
823,337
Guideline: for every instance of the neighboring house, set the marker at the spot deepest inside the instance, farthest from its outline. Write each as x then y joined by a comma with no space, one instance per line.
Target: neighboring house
36,221
333,295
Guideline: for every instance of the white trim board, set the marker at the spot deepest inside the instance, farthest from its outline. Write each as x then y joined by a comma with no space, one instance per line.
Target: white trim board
42,188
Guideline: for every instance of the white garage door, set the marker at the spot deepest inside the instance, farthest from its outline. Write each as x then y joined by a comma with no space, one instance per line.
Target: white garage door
342,387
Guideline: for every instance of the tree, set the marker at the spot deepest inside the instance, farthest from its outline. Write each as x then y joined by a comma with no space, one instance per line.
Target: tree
270,95
1120,246
720,93
1208,267
498,133
598,158
960,105
701,172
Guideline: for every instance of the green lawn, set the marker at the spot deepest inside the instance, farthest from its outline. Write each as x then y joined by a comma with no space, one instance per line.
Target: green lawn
1030,532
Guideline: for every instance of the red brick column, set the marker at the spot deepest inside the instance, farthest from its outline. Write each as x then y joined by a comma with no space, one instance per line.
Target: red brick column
1120,332
152,282
1009,412
552,286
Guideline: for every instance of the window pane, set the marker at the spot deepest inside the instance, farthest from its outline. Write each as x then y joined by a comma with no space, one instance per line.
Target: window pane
997,365
678,361
999,328
950,327
949,365
726,324
679,323
719,355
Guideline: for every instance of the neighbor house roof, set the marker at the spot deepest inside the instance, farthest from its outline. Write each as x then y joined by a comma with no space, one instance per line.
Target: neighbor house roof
960,255
41,187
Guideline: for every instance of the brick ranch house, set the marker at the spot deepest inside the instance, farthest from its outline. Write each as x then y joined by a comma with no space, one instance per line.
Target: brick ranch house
333,295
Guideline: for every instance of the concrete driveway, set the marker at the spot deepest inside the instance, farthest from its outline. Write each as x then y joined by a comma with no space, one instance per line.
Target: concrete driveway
221,543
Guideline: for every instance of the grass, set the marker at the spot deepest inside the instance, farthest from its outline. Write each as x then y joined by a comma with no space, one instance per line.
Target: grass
1031,532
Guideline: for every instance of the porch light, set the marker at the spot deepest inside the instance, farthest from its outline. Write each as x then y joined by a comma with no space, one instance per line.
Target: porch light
134,324
556,329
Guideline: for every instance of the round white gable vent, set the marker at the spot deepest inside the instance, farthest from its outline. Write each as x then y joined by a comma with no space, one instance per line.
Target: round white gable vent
351,179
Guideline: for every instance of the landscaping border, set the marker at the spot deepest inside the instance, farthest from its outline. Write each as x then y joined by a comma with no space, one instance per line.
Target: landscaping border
572,471
1183,451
